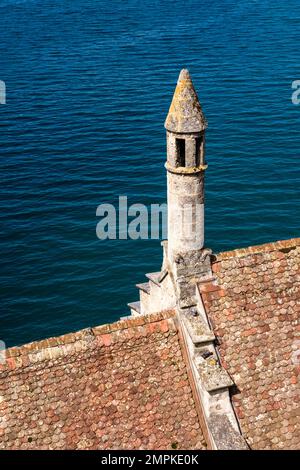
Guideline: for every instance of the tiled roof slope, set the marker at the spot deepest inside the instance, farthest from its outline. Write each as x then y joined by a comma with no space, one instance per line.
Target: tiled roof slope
254,308
118,386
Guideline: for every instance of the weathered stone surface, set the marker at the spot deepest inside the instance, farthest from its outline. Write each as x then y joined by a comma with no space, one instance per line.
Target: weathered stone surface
145,287
213,376
224,434
195,264
154,277
185,113
185,213
188,269
135,307
186,291
197,329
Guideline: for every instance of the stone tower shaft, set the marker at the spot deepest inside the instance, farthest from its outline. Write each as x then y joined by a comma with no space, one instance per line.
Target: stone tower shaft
185,126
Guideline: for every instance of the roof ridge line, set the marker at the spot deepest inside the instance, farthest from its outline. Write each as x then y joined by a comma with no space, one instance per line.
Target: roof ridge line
16,353
255,249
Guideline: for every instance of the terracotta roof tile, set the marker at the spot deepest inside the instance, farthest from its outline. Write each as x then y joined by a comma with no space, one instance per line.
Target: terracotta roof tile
119,386
255,314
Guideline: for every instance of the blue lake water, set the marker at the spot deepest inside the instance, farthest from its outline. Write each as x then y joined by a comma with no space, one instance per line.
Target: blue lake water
89,83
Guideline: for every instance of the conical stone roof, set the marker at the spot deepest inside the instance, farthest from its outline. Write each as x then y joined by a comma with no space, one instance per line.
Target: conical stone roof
185,113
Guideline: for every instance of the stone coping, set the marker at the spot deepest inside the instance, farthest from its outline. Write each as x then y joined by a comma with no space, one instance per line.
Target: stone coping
256,249
37,351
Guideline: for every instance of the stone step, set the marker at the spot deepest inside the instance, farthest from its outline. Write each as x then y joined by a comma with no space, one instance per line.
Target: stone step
196,327
188,302
155,278
135,306
212,375
145,287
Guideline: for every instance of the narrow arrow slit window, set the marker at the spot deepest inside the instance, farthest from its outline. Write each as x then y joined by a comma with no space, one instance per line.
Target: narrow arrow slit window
180,150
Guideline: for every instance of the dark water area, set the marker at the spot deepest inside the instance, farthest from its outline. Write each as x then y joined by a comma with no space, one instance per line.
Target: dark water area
89,83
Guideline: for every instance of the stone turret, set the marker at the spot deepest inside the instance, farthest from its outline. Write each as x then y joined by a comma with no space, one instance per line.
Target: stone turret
185,260
185,125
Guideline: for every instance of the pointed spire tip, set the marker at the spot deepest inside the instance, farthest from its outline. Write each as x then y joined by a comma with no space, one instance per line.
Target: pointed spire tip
184,75
185,113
